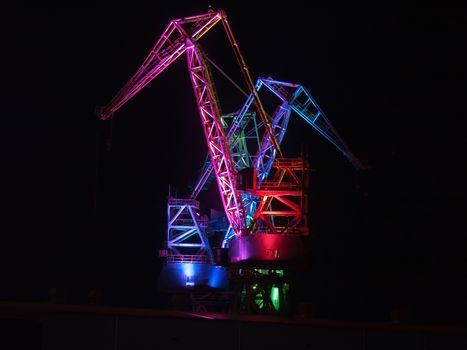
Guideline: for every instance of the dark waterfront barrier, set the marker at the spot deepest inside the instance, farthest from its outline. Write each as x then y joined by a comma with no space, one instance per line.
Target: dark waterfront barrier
58,326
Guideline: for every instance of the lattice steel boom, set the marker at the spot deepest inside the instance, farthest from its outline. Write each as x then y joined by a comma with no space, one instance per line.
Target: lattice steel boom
182,36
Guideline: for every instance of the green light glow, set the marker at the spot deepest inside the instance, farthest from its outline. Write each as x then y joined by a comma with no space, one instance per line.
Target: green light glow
268,272
259,301
275,297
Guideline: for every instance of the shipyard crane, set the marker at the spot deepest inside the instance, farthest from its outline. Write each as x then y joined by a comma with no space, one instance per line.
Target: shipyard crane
250,183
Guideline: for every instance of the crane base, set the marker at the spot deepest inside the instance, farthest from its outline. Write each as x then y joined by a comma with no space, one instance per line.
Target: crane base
183,276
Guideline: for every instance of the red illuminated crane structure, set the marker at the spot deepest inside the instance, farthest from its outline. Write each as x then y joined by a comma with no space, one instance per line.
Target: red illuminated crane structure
263,194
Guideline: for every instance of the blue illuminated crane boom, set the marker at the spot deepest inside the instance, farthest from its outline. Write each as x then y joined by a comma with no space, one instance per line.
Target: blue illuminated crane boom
293,97
301,102
298,100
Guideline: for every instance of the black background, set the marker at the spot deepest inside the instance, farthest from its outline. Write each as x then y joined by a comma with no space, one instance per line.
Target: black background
392,81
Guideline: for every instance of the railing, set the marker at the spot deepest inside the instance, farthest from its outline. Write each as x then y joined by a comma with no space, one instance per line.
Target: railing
269,185
185,258
289,162
202,221
183,201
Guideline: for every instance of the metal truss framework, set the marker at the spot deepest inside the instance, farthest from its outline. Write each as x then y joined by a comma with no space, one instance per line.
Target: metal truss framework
293,97
210,117
170,46
186,233
283,205
179,37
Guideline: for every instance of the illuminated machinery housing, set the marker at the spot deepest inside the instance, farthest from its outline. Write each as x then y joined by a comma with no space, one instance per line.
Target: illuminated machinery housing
262,263
263,193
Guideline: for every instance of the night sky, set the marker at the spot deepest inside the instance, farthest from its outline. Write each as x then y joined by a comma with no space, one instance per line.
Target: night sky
392,81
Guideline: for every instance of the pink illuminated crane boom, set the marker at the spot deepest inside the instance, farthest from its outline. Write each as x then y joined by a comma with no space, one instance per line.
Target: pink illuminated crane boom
181,36
170,46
